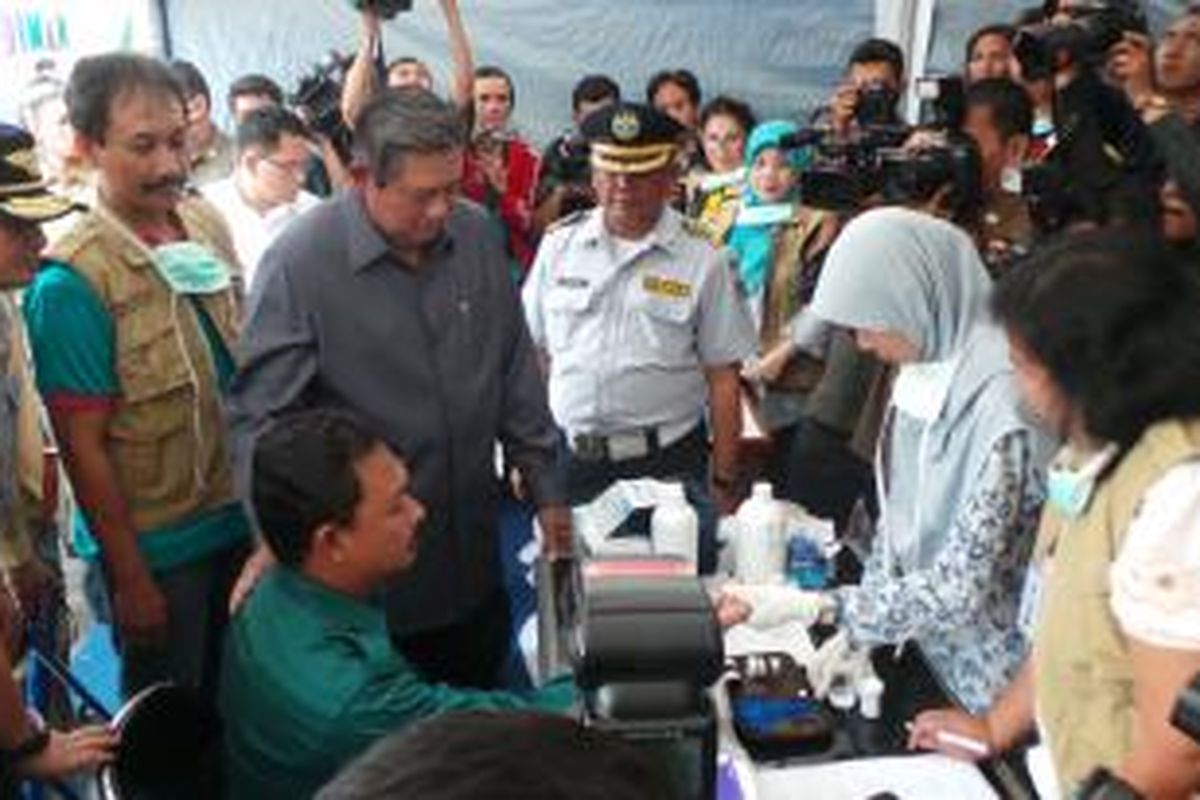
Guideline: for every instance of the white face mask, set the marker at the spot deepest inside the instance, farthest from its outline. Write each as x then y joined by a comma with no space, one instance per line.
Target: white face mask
921,389
191,268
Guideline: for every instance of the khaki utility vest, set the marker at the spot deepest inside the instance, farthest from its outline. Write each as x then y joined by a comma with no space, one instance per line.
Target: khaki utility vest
167,438
1082,675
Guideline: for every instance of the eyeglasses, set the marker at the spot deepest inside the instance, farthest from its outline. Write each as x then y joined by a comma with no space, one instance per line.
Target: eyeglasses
296,169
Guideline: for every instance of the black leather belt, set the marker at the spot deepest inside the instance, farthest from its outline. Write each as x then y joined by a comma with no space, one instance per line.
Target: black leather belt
619,447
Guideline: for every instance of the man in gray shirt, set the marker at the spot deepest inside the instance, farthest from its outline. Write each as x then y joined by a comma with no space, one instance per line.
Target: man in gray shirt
393,301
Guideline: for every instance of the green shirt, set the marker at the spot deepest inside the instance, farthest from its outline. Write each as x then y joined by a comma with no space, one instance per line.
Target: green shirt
310,679
73,339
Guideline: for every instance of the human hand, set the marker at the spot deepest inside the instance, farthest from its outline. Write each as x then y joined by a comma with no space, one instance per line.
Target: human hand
494,169
731,609
842,107
140,609
558,532
771,606
768,368
67,753
953,732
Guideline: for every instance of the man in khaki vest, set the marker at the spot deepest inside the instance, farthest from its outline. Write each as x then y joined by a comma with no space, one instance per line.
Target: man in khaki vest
132,326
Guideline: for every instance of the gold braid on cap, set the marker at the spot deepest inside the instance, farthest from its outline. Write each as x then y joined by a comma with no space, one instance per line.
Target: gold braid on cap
631,160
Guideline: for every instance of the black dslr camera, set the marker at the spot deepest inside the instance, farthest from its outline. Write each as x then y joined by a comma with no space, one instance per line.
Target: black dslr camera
1085,39
384,8
318,99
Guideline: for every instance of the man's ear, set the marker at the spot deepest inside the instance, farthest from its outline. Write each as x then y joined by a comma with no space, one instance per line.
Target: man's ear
328,544
85,147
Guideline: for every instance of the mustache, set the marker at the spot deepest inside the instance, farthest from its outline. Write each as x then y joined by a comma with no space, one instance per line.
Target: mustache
170,182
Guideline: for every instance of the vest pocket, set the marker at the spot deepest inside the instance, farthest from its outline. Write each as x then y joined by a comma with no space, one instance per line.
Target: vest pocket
154,452
151,356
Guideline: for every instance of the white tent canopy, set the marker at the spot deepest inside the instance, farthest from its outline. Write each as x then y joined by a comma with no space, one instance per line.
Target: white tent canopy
784,56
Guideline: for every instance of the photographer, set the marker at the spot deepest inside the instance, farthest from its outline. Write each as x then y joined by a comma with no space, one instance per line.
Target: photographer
565,180
1102,166
989,53
998,118
363,76
1106,344
875,71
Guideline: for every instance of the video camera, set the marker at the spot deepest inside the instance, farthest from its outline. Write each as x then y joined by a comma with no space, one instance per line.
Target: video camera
318,98
1102,166
872,162
1093,28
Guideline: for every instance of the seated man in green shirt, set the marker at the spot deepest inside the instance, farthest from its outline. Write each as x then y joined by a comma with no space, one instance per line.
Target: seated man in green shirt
310,678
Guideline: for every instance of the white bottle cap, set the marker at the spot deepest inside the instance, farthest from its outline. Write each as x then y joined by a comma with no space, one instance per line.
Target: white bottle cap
870,697
763,490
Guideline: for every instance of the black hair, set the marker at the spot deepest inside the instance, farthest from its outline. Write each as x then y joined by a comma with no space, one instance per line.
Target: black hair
492,71
1111,314
399,121
402,61
726,106
1001,29
264,127
254,85
876,50
1012,110
593,89
97,81
194,84
683,78
304,477
485,754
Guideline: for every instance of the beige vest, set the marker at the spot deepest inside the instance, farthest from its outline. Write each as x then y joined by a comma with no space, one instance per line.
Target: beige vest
795,245
167,438
1083,679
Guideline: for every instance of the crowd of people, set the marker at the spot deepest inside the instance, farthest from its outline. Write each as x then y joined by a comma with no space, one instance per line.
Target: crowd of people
272,381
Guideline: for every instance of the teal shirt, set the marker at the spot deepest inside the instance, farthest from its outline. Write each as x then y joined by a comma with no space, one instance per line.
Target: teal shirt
310,679
73,339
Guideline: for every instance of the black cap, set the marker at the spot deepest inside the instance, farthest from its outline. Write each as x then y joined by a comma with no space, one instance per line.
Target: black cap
24,194
631,138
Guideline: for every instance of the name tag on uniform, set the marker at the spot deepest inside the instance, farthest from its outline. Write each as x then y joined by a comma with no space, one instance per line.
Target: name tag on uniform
572,282
665,287
1031,598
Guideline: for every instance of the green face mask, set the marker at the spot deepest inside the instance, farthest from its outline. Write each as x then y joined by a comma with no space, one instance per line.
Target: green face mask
191,268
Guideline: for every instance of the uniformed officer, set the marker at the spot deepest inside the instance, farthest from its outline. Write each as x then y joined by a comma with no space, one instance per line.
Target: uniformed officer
642,324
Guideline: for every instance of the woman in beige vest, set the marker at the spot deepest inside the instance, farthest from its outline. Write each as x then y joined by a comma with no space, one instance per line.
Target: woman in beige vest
1105,335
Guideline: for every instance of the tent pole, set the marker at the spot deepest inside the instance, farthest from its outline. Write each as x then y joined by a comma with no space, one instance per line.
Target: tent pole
164,28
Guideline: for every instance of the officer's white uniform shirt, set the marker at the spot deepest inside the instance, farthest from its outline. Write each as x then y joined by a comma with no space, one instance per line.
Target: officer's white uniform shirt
629,330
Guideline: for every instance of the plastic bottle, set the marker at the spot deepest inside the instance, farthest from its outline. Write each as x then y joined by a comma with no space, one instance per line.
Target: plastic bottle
674,526
760,546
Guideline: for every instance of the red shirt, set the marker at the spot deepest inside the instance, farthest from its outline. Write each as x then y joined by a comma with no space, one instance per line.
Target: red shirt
515,206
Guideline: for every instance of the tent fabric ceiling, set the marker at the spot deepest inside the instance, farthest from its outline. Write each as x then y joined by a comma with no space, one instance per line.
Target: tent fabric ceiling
784,56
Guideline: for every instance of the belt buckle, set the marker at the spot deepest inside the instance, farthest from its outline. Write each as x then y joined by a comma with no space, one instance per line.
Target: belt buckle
628,446
589,447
